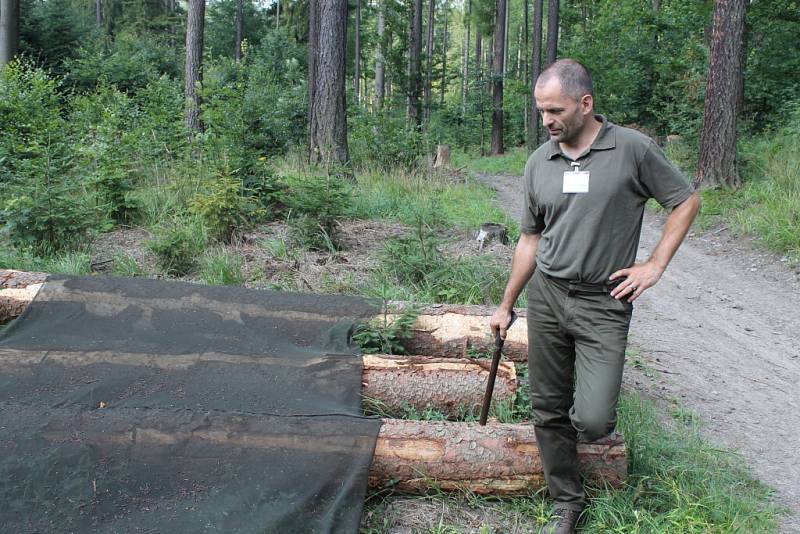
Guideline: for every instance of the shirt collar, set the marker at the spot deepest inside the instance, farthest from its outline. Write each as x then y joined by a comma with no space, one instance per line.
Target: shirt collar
606,139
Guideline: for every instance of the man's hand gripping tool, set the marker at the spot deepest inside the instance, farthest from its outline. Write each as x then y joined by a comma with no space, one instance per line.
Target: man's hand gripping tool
498,348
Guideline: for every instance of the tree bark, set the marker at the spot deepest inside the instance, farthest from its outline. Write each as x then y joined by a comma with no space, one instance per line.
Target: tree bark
717,162
328,120
357,67
552,31
527,109
500,459
414,63
239,23
9,30
452,386
429,59
465,66
98,13
443,85
380,64
499,72
536,70
195,20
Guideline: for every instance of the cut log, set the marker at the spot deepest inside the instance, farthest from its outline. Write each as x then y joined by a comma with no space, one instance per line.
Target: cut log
453,386
17,289
440,330
410,456
459,331
499,459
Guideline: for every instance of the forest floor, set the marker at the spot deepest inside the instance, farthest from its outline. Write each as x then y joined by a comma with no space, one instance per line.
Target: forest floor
718,339
719,336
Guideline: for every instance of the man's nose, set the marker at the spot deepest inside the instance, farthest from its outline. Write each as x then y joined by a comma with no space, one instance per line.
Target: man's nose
547,120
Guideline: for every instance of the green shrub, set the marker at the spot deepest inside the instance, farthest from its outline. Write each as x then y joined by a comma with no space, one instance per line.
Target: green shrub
218,267
411,259
224,206
102,121
386,336
315,203
385,141
178,245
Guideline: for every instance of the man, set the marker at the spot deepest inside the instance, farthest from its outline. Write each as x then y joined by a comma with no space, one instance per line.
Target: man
585,193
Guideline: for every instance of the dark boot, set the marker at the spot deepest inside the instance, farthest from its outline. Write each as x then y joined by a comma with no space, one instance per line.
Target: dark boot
564,521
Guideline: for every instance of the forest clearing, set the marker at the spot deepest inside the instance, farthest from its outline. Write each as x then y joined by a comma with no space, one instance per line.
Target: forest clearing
353,150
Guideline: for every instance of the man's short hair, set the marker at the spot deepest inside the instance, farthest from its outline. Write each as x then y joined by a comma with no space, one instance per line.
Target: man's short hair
573,75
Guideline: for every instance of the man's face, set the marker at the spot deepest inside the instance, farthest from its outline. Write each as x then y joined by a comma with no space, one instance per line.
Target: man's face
564,117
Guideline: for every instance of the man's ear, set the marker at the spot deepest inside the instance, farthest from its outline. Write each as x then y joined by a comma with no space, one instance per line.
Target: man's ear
587,104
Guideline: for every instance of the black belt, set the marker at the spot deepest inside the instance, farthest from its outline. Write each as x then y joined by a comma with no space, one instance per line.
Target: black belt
576,287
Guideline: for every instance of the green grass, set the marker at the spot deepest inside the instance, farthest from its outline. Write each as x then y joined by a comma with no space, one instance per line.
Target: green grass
221,268
407,197
512,162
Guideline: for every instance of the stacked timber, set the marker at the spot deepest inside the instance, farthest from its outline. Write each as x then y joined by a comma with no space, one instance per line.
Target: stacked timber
414,456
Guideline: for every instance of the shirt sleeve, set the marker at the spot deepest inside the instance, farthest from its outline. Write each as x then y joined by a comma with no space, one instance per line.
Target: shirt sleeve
661,179
532,222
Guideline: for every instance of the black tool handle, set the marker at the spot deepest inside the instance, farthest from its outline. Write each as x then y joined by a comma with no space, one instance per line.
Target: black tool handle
498,349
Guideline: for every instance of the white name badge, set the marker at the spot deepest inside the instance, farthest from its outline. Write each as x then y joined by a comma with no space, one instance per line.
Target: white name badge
576,182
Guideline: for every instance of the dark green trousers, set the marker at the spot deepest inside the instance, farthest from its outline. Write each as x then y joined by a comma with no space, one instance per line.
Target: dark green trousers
577,334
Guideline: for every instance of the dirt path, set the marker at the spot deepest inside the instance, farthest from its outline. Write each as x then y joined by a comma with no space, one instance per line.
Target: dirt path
720,335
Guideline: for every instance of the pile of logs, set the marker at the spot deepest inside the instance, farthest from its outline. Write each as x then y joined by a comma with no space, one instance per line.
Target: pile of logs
413,456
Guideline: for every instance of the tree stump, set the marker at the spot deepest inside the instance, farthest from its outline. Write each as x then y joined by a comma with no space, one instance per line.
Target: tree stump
489,231
442,157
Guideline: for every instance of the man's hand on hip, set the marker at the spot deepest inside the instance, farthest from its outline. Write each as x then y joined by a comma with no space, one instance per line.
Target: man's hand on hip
638,278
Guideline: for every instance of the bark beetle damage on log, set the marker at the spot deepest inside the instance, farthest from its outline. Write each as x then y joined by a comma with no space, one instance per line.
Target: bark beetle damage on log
449,385
410,456
451,330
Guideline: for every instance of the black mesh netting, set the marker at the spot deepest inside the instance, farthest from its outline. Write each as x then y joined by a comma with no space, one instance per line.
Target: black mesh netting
142,405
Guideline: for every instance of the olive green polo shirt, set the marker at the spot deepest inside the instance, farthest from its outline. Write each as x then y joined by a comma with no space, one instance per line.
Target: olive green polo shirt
588,236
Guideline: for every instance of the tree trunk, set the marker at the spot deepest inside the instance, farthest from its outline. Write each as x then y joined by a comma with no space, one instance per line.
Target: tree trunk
380,65
239,22
536,70
506,41
429,59
414,60
528,110
195,19
443,85
9,30
465,66
717,163
278,14
357,67
98,13
327,120
497,85
552,32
